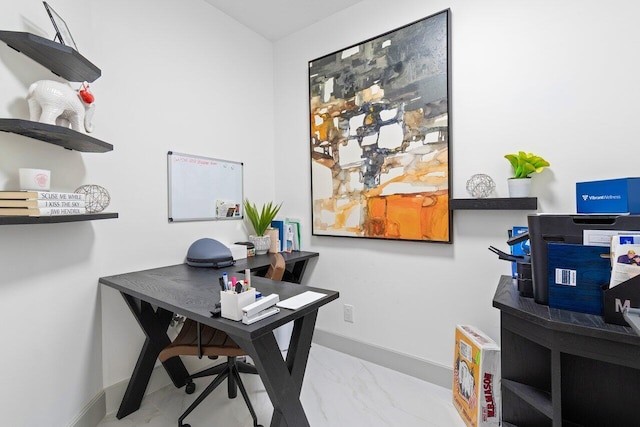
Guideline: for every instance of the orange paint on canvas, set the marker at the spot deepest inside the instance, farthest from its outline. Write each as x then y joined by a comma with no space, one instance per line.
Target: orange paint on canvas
421,216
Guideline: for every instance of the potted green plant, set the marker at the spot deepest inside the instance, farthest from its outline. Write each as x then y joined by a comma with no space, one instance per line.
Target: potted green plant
260,221
524,165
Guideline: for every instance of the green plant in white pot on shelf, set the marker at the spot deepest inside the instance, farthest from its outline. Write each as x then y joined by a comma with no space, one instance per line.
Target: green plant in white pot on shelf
260,221
524,165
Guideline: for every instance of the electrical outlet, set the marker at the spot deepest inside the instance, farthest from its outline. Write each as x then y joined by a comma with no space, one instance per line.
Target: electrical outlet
348,313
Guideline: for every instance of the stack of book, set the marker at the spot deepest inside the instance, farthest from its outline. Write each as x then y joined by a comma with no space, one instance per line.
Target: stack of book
41,203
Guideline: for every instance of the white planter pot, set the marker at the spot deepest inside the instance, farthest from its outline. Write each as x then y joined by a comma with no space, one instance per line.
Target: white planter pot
261,243
519,187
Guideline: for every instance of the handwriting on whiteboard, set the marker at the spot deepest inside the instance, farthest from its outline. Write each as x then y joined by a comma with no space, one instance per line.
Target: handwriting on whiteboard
199,162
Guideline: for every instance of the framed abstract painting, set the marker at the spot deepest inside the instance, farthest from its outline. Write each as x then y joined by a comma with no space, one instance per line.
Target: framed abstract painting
379,130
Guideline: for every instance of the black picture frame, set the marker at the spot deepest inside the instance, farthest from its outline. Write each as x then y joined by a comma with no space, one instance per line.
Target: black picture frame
62,30
380,136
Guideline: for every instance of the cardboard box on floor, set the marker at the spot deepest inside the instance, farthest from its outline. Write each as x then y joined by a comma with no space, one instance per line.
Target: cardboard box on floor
476,377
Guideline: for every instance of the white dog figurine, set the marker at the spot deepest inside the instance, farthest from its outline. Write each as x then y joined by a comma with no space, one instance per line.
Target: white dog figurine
59,104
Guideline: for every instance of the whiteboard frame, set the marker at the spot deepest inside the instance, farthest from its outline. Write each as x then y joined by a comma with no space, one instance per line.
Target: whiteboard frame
214,195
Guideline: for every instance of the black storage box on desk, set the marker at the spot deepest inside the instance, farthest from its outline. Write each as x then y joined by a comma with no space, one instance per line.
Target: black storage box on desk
545,229
624,295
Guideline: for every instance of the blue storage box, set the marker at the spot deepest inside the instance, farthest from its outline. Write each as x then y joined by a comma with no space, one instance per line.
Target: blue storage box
521,248
577,275
609,196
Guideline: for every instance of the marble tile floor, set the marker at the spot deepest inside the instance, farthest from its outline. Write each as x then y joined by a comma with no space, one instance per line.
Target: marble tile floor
339,390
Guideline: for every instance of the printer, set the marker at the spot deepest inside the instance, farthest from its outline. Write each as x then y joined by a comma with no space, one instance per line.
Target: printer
552,228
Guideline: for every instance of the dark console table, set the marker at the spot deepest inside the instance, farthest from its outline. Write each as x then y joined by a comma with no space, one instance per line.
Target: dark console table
563,368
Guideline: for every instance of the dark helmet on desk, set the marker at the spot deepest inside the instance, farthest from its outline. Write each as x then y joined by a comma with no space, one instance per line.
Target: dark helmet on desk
209,253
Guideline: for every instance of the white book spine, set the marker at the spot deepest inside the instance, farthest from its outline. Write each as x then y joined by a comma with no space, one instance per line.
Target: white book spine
60,211
61,204
49,195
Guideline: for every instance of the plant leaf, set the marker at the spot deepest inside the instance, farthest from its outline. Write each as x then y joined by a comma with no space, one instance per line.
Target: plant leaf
512,159
261,220
524,164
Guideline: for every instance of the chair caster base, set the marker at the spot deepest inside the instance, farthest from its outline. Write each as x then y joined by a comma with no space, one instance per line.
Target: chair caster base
189,388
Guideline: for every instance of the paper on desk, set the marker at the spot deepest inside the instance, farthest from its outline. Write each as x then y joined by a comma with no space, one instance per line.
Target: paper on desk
625,259
602,237
300,300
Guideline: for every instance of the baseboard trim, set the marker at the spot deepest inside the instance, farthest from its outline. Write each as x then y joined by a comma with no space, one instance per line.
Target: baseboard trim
108,401
419,368
159,379
92,413
115,392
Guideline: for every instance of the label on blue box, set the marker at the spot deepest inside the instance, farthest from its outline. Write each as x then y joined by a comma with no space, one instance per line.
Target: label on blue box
566,276
608,196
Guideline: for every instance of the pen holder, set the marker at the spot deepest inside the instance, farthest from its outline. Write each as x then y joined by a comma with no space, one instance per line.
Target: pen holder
231,304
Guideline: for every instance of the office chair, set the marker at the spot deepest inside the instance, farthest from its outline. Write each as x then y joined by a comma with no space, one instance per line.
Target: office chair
199,340
276,268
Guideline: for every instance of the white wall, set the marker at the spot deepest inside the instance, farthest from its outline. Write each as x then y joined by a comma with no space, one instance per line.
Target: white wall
558,78
176,75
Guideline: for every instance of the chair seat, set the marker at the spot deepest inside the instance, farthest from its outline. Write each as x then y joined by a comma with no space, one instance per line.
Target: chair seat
214,342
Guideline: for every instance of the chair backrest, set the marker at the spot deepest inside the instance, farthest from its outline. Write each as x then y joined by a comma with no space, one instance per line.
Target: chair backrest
277,267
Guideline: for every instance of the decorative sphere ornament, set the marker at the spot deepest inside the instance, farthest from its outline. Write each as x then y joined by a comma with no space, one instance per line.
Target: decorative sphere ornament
480,186
96,198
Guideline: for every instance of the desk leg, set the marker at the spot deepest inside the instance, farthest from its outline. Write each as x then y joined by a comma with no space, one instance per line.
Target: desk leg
299,268
283,380
154,324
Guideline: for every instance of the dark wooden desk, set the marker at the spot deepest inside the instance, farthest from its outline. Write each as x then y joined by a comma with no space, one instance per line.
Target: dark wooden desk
296,265
155,295
564,368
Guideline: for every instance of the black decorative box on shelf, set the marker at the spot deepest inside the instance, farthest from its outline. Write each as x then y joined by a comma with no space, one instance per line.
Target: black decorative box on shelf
494,203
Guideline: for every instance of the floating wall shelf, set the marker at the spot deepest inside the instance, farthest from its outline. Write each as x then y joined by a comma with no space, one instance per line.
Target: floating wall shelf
7,220
62,60
70,65
58,135
507,203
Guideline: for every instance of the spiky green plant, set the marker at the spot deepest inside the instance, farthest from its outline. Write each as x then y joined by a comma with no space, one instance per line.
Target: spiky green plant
524,164
261,219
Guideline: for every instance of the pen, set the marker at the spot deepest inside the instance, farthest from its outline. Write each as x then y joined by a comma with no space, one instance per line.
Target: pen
247,278
225,278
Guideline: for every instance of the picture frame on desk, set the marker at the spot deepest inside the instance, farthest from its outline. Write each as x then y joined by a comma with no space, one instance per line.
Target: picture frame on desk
379,136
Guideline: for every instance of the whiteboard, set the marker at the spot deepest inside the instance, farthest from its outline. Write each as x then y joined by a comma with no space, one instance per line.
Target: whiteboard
202,188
